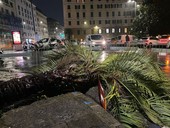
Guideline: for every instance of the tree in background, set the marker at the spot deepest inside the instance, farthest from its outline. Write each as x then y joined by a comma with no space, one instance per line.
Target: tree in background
153,18
162,26
146,19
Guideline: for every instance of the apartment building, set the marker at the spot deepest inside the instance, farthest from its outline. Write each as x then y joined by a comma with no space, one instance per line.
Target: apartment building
22,16
108,17
41,28
27,12
55,29
8,22
33,20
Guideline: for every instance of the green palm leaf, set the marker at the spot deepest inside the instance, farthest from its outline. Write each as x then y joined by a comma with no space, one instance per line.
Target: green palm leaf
140,77
133,81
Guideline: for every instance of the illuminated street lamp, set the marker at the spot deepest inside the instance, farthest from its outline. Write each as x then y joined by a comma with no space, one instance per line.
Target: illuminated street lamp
1,2
96,27
24,23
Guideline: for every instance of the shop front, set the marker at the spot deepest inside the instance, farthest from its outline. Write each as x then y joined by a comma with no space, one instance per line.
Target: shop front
8,24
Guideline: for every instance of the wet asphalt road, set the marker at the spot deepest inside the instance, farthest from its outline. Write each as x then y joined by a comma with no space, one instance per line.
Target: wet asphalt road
19,62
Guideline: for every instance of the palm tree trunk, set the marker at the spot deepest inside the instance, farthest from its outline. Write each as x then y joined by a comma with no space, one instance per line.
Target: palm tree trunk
49,84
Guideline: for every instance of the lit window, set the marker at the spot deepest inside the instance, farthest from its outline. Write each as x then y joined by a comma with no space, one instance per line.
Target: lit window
107,30
113,30
119,30
125,30
100,31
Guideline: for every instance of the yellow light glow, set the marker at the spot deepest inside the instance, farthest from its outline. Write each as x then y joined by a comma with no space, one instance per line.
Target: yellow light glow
96,27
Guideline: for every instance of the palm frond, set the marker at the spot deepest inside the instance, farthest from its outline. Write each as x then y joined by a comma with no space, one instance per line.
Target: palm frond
130,116
131,78
75,60
160,104
140,78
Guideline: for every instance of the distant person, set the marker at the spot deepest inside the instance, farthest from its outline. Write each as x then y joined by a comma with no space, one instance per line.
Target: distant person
127,40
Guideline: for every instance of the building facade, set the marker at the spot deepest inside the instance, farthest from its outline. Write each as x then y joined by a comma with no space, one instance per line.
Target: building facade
27,12
108,17
8,22
41,27
55,29
24,17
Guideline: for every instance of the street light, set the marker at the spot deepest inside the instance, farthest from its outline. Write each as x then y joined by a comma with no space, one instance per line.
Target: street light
96,27
1,2
24,22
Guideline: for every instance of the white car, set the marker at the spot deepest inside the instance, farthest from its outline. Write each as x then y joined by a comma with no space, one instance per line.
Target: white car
148,41
96,40
49,43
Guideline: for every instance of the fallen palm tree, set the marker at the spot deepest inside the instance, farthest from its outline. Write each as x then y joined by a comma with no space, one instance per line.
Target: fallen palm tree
137,92
15,91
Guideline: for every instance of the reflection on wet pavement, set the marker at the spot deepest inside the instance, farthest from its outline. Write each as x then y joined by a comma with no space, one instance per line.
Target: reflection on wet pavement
15,67
164,60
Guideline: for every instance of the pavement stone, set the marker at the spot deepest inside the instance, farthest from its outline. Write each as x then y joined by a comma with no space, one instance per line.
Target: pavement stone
71,110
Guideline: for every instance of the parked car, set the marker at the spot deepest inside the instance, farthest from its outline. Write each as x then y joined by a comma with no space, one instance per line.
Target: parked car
73,42
54,42
113,40
96,40
121,39
29,46
165,40
108,40
49,43
148,41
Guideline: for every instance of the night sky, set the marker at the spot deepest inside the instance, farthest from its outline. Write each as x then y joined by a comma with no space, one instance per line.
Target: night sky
51,8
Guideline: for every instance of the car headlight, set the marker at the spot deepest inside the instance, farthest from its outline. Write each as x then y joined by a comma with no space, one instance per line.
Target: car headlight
104,42
93,42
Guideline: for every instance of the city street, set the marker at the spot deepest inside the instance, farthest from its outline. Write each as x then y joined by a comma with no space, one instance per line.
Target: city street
133,37
14,64
18,63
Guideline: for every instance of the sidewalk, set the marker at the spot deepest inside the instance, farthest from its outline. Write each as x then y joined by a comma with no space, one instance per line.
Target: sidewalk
72,110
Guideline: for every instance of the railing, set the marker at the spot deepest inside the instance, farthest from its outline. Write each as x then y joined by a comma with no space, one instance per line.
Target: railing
155,48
